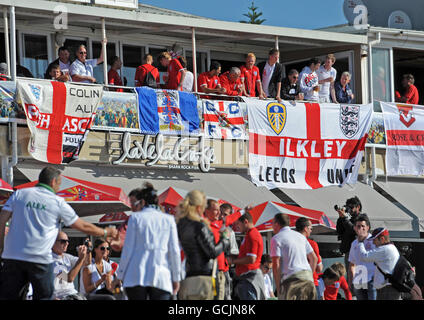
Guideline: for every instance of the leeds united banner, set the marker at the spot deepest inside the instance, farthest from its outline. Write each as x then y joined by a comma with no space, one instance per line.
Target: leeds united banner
59,116
306,145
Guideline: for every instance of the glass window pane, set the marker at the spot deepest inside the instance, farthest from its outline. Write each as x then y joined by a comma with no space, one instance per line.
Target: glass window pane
381,74
36,56
110,50
132,58
201,61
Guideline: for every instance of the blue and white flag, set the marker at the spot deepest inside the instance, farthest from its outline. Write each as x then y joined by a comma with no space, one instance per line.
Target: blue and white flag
169,112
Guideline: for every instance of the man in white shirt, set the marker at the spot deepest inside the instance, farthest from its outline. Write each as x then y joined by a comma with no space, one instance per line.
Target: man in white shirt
309,80
81,69
385,255
66,268
292,256
326,77
266,266
361,272
36,214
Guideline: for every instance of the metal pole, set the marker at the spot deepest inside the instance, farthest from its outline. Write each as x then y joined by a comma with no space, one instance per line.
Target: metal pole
12,66
6,40
276,42
193,49
104,52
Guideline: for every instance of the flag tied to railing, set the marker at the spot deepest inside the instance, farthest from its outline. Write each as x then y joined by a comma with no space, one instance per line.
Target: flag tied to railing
306,145
59,116
404,124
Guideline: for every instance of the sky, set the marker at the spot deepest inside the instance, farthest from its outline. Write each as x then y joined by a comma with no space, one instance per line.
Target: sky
305,14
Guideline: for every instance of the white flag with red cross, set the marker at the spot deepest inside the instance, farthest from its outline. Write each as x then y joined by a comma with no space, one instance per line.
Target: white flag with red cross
404,125
225,119
59,116
306,145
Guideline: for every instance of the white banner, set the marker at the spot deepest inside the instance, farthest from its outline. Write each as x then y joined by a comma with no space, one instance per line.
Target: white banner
306,145
404,124
59,116
225,119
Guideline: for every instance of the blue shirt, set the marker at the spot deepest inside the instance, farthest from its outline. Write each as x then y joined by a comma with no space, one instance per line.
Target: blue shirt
342,96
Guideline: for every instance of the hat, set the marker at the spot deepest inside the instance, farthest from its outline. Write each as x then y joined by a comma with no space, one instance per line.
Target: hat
379,232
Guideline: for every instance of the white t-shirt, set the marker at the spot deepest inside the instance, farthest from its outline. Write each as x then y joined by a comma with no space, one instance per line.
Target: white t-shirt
266,76
293,248
364,271
62,265
268,286
64,67
308,80
386,258
83,69
324,88
95,276
36,216
188,81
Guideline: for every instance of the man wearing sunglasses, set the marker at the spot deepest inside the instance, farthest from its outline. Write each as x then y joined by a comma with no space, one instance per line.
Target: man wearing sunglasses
290,89
66,268
82,68
35,216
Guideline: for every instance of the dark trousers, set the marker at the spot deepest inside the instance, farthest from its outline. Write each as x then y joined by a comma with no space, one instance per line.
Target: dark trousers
146,293
16,274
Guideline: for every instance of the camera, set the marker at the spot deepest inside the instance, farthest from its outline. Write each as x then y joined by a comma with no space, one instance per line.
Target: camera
87,244
347,210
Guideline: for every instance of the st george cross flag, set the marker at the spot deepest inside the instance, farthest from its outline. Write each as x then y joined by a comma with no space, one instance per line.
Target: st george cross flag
404,125
225,119
169,112
59,116
306,145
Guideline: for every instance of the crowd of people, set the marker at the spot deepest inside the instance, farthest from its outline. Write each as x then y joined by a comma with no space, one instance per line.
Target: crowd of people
192,255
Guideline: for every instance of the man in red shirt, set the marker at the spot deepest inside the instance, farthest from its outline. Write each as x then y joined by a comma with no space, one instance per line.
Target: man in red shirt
113,75
208,81
231,82
176,72
251,78
410,94
213,214
141,72
304,226
250,285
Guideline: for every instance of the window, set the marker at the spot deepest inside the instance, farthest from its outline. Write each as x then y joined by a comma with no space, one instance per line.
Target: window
132,58
201,61
35,56
110,50
381,66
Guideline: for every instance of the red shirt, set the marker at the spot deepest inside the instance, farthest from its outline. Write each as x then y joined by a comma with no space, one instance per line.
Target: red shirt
251,245
314,246
215,227
114,78
411,95
141,72
174,75
330,292
250,77
206,79
230,86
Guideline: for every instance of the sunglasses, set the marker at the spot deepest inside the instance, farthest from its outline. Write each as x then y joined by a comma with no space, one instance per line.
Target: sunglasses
104,248
82,52
63,241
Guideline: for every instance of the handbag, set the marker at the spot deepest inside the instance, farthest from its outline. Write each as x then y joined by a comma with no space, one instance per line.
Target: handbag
199,287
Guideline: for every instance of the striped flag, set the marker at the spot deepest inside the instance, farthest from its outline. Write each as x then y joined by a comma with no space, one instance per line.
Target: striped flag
225,119
306,145
59,116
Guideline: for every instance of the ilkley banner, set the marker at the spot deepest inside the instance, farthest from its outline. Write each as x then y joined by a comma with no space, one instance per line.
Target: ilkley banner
59,116
404,124
306,145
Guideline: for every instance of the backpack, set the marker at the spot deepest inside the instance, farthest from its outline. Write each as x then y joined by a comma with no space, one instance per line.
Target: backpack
149,79
402,279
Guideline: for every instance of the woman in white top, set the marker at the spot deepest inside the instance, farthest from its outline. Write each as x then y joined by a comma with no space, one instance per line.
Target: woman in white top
97,276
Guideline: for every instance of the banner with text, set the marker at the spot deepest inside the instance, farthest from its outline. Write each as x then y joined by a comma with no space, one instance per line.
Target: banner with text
59,116
404,124
225,119
306,145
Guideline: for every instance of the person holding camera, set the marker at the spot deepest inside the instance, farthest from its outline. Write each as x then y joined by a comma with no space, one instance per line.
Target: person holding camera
66,268
345,224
